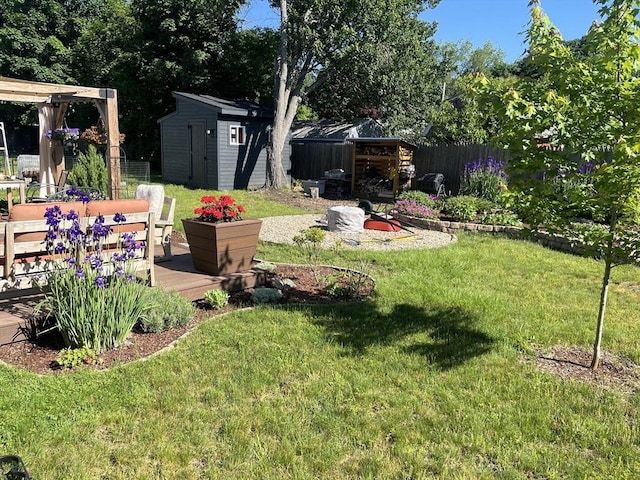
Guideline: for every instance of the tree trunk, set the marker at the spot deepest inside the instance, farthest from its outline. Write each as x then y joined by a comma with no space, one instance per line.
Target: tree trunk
286,106
595,361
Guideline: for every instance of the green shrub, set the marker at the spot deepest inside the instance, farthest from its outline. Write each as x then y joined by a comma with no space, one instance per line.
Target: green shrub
216,298
310,241
501,217
350,283
484,206
165,310
462,208
266,295
90,171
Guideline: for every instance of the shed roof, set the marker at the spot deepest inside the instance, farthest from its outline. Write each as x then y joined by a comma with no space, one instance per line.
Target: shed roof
335,131
225,106
386,140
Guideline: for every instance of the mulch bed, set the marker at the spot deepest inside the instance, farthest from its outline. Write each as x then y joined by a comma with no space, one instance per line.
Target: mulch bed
573,363
40,356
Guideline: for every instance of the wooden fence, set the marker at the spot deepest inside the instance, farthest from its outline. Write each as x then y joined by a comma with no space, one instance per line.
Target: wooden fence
451,159
311,160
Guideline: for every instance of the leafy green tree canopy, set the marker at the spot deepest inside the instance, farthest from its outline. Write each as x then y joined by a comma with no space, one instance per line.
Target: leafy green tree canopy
574,133
328,41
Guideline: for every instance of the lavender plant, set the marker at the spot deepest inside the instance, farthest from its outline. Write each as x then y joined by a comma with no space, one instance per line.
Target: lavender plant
94,295
484,179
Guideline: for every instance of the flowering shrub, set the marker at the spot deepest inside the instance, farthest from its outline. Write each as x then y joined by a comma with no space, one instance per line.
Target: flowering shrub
415,209
63,134
93,295
219,209
84,195
432,201
484,179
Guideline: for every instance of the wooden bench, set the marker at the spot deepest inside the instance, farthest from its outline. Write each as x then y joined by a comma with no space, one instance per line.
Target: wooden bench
25,262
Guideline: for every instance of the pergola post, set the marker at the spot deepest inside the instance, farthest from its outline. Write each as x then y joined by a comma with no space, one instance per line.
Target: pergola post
108,108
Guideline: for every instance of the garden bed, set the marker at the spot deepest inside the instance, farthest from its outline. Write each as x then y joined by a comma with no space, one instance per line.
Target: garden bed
40,356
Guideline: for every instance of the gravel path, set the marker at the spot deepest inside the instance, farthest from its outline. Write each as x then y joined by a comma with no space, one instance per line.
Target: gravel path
282,230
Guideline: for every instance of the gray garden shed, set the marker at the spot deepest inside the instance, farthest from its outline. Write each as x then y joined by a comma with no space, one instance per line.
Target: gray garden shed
216,143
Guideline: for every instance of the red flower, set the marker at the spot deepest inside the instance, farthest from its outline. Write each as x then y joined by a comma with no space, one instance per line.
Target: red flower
222,209
226,201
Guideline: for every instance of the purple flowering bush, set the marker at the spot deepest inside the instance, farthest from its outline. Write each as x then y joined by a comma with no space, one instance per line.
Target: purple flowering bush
94,296
484,179
415,209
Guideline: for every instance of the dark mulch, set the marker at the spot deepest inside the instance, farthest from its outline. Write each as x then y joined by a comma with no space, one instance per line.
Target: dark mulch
572,363
39,357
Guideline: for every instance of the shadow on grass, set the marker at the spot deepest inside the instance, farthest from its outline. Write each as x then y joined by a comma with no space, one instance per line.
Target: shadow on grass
447,337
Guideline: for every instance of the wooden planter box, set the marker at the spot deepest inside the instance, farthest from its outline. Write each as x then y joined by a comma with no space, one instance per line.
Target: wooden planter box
222,248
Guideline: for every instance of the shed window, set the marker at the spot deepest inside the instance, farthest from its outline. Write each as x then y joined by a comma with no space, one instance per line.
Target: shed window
236,135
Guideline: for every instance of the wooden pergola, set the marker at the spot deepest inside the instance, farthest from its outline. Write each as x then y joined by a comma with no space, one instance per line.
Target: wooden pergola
53,101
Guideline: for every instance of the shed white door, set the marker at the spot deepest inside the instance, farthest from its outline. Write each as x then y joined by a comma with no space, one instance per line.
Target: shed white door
197,154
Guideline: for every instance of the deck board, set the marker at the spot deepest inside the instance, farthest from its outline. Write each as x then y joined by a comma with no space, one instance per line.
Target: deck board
176,273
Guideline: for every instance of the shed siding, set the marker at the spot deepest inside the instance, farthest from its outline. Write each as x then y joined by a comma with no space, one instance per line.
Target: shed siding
242,166
227,166
176,143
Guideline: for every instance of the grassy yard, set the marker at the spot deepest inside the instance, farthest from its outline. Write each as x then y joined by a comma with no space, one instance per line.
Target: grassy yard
431,379
257,205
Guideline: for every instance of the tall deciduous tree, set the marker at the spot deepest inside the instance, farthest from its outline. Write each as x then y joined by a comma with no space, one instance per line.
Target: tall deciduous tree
148,48
315,35
394,74
459,117
36,40
586,108
246,69
178,47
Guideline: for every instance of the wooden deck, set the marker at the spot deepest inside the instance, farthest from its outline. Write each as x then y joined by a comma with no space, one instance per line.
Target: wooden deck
176,274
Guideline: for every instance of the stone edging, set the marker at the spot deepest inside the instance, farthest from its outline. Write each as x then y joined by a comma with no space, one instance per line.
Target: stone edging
555,242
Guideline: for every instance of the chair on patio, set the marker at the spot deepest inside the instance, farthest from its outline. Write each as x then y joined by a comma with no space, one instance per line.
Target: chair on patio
34,190
164,209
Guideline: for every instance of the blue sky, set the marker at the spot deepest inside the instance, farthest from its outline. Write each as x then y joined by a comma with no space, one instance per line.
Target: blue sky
497,21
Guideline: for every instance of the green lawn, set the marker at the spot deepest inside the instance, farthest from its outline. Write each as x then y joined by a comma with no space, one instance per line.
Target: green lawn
430,379
257,205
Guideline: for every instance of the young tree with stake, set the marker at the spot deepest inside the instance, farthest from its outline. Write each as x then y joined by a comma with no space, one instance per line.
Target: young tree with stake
583,178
